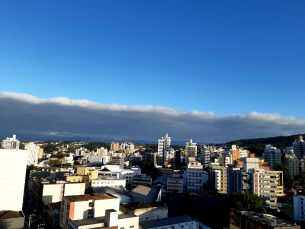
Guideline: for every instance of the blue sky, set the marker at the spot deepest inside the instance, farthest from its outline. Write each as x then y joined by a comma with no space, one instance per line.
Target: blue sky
226,57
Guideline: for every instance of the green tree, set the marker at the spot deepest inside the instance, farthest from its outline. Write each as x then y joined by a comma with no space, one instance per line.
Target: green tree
55,163
288,182
247,200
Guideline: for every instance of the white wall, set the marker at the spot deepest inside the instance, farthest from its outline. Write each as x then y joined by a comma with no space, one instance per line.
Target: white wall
51,193
72,189
12,177
126,223
108,182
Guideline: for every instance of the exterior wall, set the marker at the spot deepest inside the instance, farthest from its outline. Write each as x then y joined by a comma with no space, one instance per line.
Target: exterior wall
108,183
151,213
175,184
129,223
52,193
72,189
194,173
299,208
13,223
280,182
293,165
12,176
33,151
40,154
140,180
191,149
218,179
272,155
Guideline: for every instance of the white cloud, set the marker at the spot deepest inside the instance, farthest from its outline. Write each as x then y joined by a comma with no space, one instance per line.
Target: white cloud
33,117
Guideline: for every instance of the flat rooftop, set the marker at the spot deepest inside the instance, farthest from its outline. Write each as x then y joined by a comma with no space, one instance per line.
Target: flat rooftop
165,222
95,196
10,214
267,219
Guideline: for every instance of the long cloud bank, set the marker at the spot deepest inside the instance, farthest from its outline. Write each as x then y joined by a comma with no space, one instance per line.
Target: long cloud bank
33,118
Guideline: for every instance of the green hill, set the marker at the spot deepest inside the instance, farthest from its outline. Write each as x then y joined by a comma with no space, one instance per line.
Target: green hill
257,145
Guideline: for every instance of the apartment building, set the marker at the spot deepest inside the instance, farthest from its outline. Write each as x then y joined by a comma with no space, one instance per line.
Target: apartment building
115,146
164,149
10,143
299,208
191,149
293,165
299,147
279,182
33,152
118,160
175,183
143,179
12,175
194,173
264,184
218,178
237,179
272,155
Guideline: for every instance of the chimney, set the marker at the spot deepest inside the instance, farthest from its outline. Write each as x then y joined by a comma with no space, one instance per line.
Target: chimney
111,218
301,138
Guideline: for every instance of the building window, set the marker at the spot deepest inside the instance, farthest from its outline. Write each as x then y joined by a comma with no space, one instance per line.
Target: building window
121,227
131,226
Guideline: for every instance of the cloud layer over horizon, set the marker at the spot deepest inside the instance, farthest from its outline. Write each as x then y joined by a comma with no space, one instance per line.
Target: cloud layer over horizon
33,118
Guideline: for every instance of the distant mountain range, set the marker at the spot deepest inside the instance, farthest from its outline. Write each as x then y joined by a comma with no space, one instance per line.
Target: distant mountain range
279,142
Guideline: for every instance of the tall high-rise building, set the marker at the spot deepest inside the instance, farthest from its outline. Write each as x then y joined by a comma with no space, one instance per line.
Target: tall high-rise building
194,173
272,155
299,147
164,149
191,149
12,178
33,152
115,146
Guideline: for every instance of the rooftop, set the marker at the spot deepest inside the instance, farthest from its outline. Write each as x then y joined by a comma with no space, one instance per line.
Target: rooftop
266,219
165,221
94,196
145,204
10,214
56,205
143,193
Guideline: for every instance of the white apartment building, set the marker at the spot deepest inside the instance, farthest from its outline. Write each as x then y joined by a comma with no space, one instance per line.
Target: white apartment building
114,172
164,149
299,208
12,175
104,182
33,151
68,160
127,146
194,173
191,149
102,152
10,143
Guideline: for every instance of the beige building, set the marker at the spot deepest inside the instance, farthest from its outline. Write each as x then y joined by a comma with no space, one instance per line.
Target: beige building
175,183
40,153
194,172
83,174
280,182
218,178
115,146
47,191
